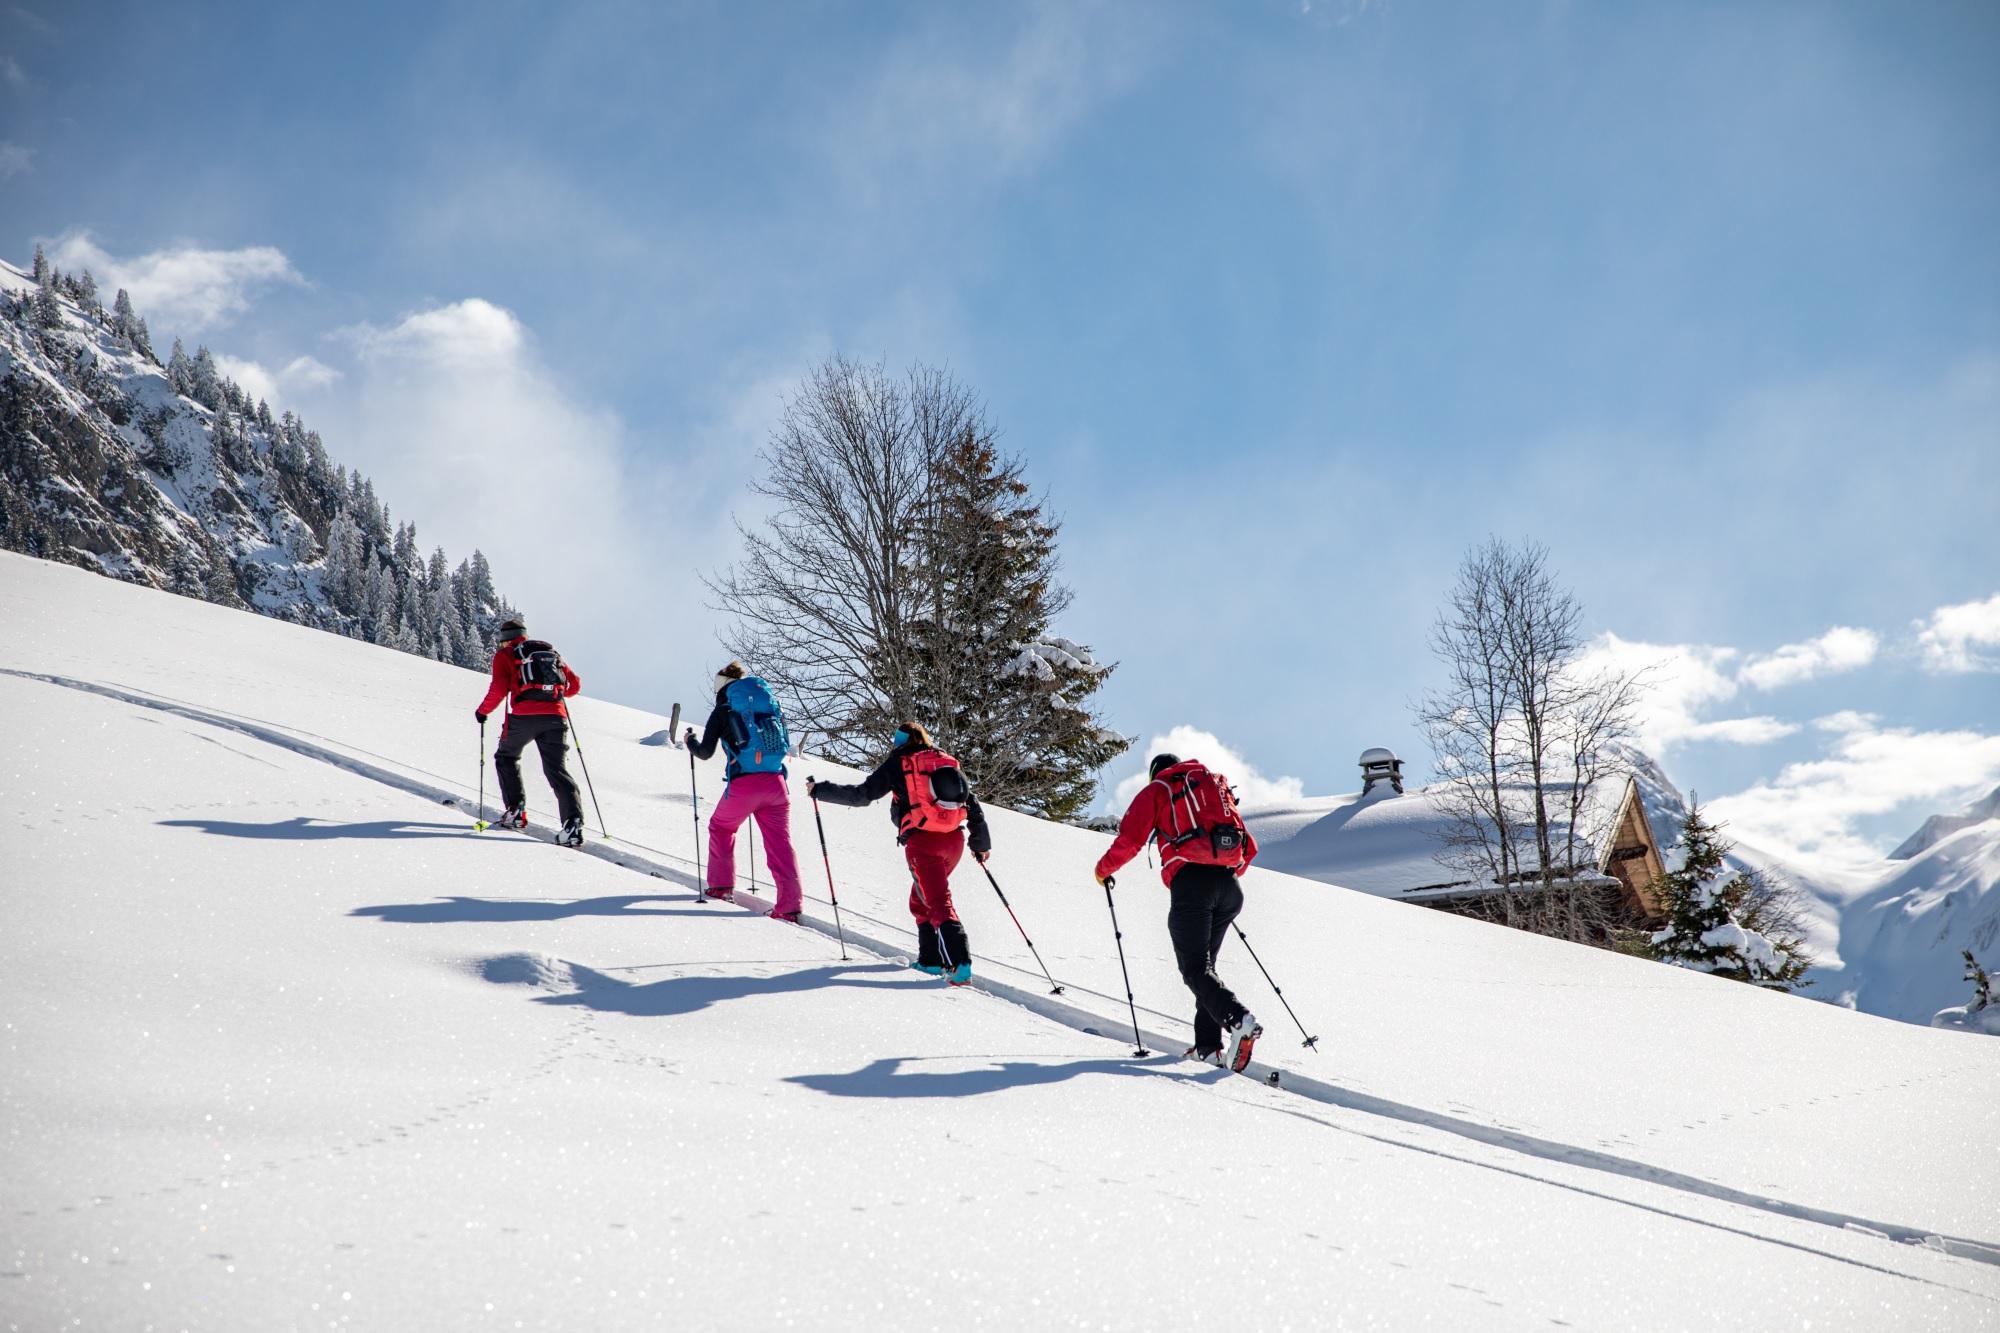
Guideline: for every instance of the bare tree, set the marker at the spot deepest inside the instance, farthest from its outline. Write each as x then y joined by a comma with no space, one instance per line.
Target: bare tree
1524,741
907,571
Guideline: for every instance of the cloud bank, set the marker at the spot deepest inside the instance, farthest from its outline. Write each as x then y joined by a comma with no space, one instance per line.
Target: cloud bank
1963,638
185,290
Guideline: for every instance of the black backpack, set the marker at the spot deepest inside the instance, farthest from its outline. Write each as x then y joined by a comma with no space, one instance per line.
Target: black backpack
538,671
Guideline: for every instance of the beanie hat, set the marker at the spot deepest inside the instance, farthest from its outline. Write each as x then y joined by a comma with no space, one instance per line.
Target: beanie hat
1161,761
512,628
734,671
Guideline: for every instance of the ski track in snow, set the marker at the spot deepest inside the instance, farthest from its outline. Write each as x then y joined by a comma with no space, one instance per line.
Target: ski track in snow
1053,1007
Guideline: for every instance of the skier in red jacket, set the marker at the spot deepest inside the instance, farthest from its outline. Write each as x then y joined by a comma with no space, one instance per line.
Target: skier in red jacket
1204,850
534,680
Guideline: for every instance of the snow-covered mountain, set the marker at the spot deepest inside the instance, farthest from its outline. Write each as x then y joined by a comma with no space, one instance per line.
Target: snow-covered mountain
287,1045
170,476
1901,939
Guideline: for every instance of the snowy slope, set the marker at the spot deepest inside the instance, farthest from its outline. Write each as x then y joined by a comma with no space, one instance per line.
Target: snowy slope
287,1045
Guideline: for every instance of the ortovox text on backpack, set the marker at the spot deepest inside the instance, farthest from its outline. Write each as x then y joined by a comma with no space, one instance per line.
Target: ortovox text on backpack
937,793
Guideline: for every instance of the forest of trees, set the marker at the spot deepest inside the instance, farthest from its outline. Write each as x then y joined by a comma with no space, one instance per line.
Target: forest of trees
376,583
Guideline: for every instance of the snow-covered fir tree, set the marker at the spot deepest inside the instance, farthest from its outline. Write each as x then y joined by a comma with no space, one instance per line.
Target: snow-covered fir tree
1703,930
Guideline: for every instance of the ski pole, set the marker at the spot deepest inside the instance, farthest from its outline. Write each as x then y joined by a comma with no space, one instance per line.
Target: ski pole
694,793
1057,990
751,824
586,772
480,826
820,824
1138,1046
1310,1042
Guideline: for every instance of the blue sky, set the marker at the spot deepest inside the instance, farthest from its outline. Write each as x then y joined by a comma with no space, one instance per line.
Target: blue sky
1285,305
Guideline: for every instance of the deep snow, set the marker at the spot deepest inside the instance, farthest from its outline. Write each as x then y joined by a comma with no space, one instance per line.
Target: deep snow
287,1045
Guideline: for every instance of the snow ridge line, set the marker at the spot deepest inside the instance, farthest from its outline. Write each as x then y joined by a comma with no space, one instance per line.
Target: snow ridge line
1082,1020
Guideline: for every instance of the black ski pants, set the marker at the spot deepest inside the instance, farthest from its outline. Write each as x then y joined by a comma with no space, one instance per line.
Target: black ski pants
1205,900
550,734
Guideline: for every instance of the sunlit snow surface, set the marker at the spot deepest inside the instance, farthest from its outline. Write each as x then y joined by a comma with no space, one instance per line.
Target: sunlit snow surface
286,1045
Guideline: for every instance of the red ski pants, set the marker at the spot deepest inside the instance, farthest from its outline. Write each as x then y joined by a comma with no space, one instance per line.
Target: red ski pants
932,858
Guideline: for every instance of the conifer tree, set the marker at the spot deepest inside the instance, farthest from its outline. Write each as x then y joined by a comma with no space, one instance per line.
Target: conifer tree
41,271
1007,696
122,317
47,306
1703,931
345,578
180,370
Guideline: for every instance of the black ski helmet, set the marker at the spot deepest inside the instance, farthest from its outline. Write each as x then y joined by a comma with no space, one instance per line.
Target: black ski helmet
1161,761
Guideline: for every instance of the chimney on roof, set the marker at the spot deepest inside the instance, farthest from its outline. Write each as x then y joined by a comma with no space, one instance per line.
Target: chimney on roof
1380,765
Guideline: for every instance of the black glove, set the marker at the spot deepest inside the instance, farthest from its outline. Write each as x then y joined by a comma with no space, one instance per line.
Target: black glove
981,856
690,740
481,716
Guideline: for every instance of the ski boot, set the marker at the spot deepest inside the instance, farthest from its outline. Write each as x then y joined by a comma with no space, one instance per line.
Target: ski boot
721,893
960,975
514,816
776,915
1213,1057
1241,1037
572,833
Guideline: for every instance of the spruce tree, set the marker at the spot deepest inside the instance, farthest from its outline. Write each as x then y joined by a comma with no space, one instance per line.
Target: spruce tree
47,306
41,270
1702,931
122,317
1005,695
180,370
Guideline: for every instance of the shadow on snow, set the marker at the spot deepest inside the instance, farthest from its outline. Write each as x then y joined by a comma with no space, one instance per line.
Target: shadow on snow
442,911
307,828
887,1077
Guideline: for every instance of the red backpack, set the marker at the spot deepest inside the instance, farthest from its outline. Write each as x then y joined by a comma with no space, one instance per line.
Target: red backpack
1200,823
936,790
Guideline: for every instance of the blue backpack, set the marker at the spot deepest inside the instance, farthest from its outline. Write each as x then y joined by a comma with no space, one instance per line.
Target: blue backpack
755,732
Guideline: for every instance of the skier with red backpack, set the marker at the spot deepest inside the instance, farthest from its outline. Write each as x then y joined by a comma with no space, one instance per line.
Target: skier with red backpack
530,675
1204,850
750,727
933,807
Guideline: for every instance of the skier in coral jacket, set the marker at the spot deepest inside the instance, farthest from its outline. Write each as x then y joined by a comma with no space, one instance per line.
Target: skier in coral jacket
534,713
750,727
933,806
1204,850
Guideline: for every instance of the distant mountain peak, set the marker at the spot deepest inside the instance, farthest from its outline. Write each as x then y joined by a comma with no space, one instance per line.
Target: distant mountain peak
1939,827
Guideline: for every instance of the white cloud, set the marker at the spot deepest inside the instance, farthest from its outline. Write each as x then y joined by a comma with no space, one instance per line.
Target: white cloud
1684,681
468,335
1759,730
1962,638
14,159
1252,787
280,388
1811,810
184,290
1841,648
464,429
11,71
1847,719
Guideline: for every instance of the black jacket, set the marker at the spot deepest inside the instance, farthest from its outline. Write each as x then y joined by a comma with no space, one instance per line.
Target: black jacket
887,780
711,731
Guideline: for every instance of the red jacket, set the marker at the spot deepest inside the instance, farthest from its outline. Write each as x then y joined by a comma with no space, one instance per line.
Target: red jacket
1148,815
507,685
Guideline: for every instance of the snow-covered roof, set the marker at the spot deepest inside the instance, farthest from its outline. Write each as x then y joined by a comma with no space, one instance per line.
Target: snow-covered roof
1389,843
